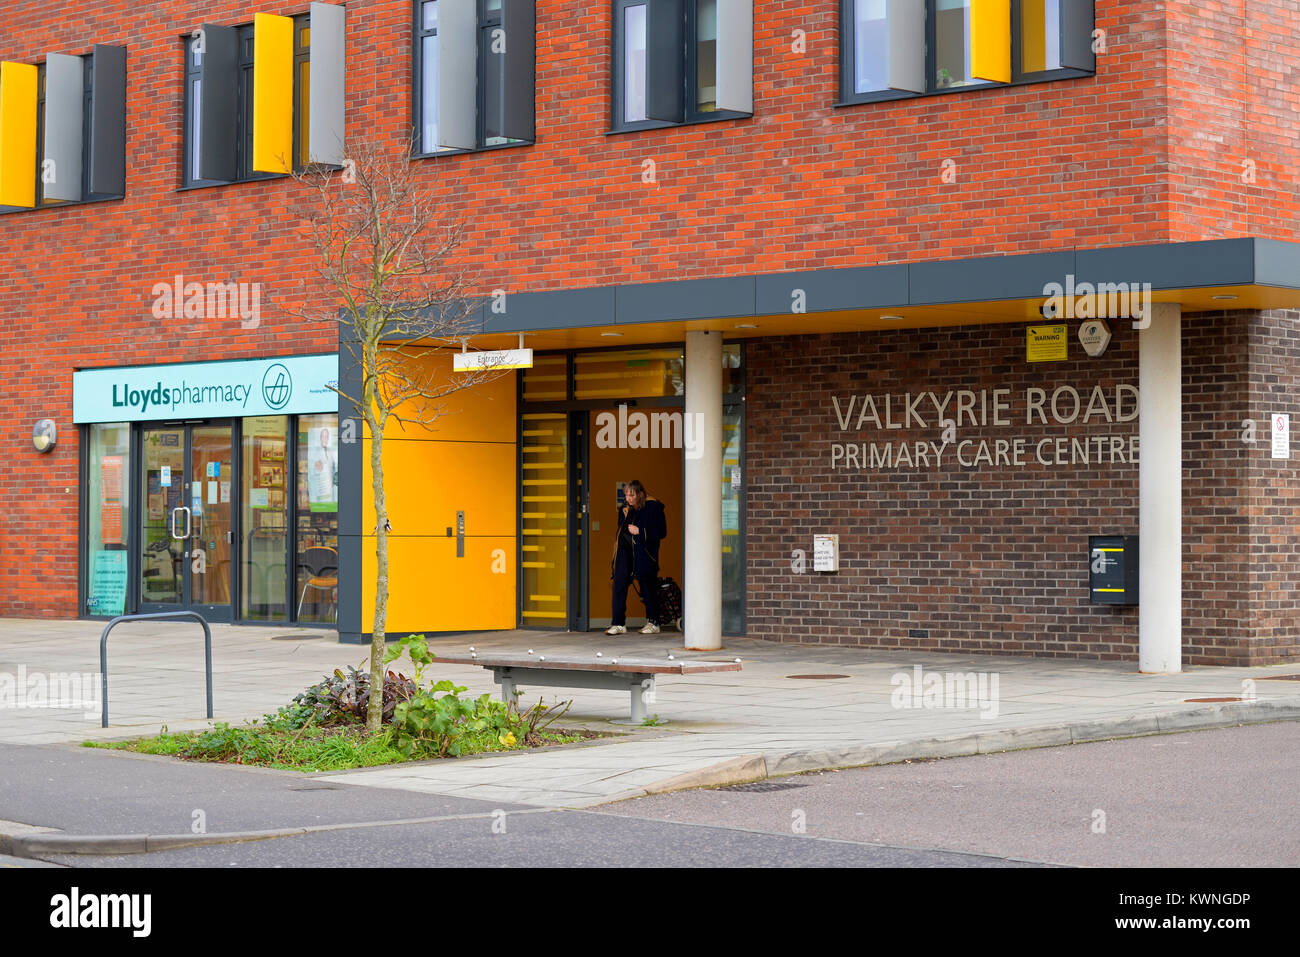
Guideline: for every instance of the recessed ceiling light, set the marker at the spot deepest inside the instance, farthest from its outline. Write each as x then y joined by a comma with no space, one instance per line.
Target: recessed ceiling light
611,335
1224,298
746,325
892,318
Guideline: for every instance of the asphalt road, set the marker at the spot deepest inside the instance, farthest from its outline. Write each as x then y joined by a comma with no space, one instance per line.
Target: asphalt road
1229,797
1213,798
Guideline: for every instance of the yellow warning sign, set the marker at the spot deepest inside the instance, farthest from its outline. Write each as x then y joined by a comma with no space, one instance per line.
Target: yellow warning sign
1047,343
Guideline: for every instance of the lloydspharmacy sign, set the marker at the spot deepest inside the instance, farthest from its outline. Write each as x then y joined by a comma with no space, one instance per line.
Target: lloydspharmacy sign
282,386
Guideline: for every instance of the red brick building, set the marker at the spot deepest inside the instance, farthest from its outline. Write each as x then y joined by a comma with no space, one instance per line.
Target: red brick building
854,199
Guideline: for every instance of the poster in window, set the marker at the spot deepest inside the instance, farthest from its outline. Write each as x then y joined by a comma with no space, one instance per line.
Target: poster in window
110,495
322,471
108,583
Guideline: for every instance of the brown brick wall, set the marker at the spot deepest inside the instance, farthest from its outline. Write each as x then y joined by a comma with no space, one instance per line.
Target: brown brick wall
994,559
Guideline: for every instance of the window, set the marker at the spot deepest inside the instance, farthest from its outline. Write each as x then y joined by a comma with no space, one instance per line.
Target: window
264,98
900,48
63,130
681,61
474,74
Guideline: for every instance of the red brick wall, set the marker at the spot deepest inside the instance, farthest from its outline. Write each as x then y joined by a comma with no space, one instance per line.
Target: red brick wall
801,185
994,559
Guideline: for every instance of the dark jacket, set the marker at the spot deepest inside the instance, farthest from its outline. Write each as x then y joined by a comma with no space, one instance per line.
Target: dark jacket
652,528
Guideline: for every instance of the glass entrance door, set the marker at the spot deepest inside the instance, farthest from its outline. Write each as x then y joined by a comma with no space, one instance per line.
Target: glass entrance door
186,535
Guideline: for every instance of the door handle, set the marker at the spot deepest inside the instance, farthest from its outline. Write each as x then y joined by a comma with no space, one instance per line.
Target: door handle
188,522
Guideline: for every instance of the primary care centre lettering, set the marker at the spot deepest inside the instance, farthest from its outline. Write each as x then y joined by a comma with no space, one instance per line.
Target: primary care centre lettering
948,414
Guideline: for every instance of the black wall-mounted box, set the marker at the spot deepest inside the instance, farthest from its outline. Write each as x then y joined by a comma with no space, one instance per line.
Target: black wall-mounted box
1113,569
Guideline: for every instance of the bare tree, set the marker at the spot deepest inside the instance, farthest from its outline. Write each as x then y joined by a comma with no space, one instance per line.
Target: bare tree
384,253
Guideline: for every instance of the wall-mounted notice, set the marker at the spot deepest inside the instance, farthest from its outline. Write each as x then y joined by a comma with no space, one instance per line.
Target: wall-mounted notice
826,553
1281,436
108,583
1047,343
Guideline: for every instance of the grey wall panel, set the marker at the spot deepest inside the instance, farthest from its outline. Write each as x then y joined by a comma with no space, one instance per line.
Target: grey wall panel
562,309
351,453
736,55
988,278
826,290
1215,262
350,610
906,45
65,84
665,53
326,132
458,74
218,102
1077,22
1277,263
689,299
108,121
519,20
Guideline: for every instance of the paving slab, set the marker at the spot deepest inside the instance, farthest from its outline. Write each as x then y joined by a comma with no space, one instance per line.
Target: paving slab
718,723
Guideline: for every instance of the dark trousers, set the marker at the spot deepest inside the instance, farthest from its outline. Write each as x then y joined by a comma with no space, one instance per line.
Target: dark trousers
623,576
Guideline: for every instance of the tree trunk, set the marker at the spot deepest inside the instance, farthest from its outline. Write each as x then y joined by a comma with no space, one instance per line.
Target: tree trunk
375,709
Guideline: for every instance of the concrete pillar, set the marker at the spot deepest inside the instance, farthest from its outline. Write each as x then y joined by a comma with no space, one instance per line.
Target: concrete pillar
702,522
1160,492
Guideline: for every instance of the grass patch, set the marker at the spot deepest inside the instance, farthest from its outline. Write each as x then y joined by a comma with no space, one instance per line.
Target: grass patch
308,749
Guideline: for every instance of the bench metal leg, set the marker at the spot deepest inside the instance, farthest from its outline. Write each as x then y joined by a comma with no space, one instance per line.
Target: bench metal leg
638,700
507,689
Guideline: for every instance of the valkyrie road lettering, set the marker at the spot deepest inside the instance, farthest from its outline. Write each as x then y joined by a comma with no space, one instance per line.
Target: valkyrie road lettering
959,409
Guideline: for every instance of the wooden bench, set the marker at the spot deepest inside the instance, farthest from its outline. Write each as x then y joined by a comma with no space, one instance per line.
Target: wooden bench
617,672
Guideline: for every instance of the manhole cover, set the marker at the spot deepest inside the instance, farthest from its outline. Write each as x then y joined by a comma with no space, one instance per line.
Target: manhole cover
1207,700
1280,678
296,637
764,786
318,787
817,677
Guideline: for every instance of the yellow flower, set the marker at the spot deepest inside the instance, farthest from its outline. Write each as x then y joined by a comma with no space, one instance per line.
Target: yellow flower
508,739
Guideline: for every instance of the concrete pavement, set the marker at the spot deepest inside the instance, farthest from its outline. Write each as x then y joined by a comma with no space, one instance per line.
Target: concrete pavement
722,728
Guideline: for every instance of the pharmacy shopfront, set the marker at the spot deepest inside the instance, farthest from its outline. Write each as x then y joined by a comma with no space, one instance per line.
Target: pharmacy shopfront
211,487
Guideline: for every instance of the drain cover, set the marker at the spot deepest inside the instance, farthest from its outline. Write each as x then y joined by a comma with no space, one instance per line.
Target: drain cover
818,677
1207,700
764,786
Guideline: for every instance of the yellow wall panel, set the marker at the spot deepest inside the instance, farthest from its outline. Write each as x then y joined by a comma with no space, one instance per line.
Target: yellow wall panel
272,93
18,134
990,42
434,590
484,413
466,463
428,482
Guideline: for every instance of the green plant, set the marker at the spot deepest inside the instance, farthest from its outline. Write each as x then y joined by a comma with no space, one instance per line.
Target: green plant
415,647
539,717
439,722
342,698
650,721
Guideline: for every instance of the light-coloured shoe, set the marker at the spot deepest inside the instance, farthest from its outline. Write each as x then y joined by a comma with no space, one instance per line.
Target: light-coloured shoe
616,630
650,629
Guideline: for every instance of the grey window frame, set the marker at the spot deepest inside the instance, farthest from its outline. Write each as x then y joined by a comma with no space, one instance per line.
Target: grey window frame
87,145
487,22
689,92
848,97
244,172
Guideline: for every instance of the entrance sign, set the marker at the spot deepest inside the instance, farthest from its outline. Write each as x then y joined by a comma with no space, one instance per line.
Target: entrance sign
1047,343
1281,436
207,390
488,361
